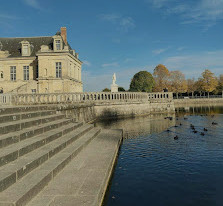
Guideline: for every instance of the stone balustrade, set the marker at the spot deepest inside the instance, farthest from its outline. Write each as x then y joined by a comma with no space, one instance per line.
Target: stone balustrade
160,96
5,99
97,97
55,98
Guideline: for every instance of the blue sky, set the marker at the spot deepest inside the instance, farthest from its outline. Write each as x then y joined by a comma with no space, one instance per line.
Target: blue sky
125,36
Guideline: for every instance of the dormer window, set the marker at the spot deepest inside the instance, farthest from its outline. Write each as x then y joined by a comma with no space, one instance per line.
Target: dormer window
58,45
26,51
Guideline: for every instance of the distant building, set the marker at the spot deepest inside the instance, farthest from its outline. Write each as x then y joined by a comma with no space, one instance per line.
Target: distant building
45,64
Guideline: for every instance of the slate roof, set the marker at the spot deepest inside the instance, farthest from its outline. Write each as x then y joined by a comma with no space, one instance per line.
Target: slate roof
13,45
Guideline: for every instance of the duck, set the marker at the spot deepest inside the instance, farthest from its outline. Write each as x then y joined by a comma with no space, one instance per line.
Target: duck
205,129
214,123
194,131
180,124
202,134
192,127
176,137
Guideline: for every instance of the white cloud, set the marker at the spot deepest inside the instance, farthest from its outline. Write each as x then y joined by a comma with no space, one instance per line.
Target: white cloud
194,65
207,12
123,23
180,48
97,82
94,83
87,63
6,16
127,60
127,23
113,64
160,51
6,21
110,17
32,3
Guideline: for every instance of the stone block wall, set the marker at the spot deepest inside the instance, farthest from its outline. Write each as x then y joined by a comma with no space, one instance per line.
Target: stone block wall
198,102
91,111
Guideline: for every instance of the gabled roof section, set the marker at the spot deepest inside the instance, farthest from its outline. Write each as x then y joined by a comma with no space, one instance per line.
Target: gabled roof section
13,45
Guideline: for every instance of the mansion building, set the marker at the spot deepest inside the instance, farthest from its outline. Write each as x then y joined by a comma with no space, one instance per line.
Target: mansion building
45,64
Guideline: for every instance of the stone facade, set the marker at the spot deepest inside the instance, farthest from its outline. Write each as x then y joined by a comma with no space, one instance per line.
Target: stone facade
39,65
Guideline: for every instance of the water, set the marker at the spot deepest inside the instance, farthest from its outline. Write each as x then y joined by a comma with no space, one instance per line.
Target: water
154,169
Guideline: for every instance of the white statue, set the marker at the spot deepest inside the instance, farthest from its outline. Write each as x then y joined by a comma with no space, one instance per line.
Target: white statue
114,86
114,79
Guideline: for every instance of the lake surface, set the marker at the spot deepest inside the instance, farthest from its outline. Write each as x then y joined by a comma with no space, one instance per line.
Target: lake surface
154,169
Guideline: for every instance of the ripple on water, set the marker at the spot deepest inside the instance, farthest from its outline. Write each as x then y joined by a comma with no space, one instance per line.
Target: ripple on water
154,169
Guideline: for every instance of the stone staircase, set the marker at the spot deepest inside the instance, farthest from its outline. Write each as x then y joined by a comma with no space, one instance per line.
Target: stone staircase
36,143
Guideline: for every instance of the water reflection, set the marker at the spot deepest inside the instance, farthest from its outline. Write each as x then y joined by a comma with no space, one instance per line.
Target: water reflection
154,169
139,126
200,110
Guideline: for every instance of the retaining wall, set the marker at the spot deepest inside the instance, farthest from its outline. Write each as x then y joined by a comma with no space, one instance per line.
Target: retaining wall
198,102
91,111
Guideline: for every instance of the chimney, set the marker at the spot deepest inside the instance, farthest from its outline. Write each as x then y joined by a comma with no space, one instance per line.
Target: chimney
63,31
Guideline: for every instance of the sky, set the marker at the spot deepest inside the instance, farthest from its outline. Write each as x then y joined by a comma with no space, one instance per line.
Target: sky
125,36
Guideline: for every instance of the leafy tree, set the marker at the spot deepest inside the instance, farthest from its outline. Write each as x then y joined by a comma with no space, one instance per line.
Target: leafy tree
178,83
142,82
121,89
106,90
161,75
219,88
191,87
209,81
199,85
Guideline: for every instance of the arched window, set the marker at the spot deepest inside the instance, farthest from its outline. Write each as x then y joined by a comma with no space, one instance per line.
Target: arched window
2,76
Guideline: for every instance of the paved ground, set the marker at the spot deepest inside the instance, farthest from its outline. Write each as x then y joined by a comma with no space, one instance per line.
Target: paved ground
84,181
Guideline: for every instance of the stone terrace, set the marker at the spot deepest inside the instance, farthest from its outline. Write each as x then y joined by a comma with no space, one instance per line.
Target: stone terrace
37,144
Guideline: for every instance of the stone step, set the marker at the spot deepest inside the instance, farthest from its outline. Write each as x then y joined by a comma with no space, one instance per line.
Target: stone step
19,149
28,187
21,109
27,115
14,171
14,137
84,180
8,127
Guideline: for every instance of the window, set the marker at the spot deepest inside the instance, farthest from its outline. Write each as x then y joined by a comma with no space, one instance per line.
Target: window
13,73
2,76
33,90
45,72
37,71
58,70
26,72
25,50
58,45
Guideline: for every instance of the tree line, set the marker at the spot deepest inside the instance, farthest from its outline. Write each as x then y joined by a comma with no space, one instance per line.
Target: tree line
174,81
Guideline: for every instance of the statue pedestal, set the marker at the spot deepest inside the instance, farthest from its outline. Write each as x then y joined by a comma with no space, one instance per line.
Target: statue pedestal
114,88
